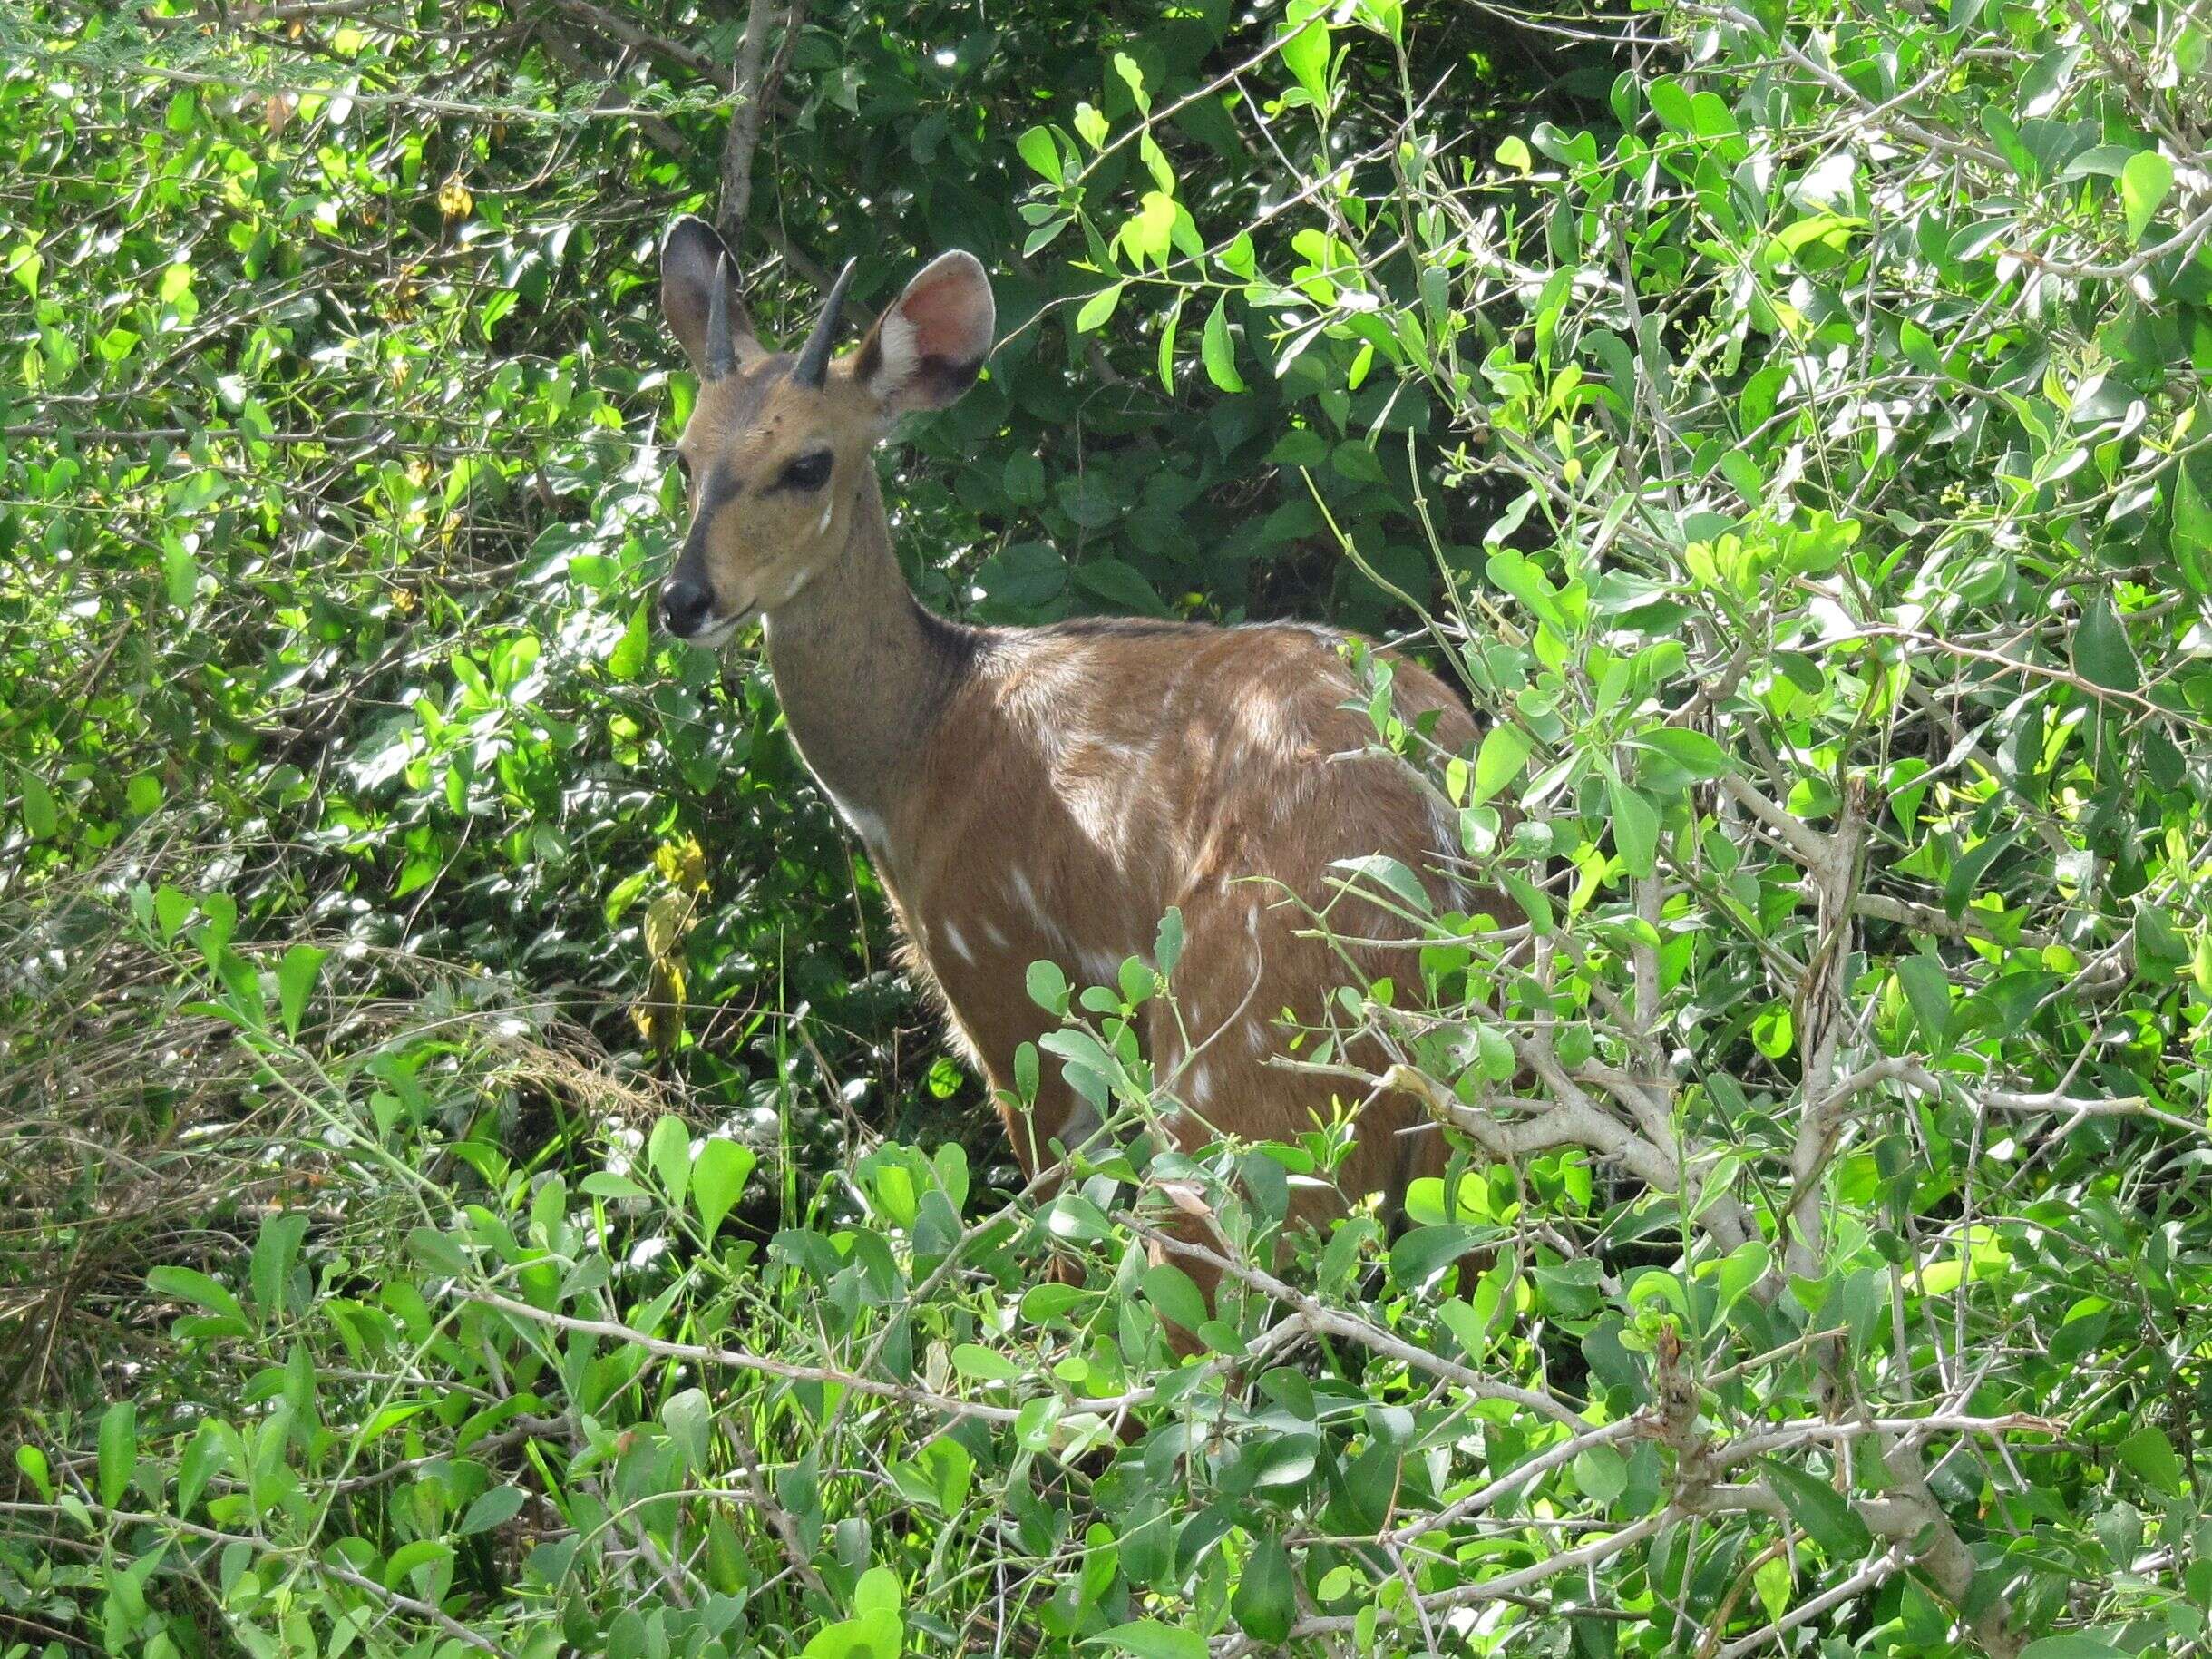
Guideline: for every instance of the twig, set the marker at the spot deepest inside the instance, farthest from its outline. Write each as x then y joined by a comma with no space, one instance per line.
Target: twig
747,84
1875,1573
313,1562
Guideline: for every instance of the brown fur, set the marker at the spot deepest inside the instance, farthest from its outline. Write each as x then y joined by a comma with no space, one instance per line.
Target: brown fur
1048,793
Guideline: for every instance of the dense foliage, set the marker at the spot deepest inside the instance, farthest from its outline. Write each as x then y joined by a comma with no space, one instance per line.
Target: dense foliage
474,1179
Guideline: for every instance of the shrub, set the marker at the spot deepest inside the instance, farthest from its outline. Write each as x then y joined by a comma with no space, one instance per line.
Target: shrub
434,1058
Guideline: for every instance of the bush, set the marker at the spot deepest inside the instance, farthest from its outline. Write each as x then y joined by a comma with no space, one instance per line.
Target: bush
451,1051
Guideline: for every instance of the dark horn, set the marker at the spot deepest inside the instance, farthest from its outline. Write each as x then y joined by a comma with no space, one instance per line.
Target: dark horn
814,358
721,354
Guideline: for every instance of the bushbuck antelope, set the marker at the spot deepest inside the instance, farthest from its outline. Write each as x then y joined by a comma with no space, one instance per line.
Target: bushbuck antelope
1032,793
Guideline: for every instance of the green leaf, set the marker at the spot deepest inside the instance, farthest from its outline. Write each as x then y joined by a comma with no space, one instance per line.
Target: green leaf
1167,945
40,816
1824,1513
1391,875
1670,103
1150,1639
1635,828
118,1451
627,660
32,1461
1771,1579
296,977
877,1592
1927,988
194,1286
1532,899
1218,351
1602,1473
690,1423
273,1255
1098,307
1968,868
2192,530
493,1508
1505,751
180,573
1147,236
208,1451
1518,575
1690,752
1305,50
717,1178
1170,1290
1419,1258
2150,1454
1264,1605
2144,184
1832,230
172,911
1047,988
1042,152
1120,583
984,1364
1133,77
2073,1645
417,1556
24,263
2102,655
877,1634
668,1150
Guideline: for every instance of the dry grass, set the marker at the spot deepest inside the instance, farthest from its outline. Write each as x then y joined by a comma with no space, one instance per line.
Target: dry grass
137,1129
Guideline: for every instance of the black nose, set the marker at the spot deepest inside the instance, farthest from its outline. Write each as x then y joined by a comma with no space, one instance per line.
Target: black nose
684,606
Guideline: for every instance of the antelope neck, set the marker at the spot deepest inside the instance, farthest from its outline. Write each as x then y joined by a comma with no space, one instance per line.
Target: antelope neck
863,670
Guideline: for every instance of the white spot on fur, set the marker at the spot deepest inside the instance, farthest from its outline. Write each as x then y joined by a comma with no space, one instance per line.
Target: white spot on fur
1255,1037
1025,895
1267,719
1041,686
822,527
959,943
1092,803
995,933
1200,1089
1101,967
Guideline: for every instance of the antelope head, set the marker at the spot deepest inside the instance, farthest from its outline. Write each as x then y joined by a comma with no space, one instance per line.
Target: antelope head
776,454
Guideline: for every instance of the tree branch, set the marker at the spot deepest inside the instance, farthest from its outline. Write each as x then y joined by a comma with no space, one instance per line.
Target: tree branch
747,82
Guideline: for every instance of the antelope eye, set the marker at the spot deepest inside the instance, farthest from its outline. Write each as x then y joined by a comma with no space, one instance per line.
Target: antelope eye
807,471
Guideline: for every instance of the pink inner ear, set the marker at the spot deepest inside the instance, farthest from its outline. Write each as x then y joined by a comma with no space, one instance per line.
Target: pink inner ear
948,322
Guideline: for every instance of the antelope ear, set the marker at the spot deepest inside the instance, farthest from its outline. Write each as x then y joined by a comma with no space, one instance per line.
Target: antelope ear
693,259
928,348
